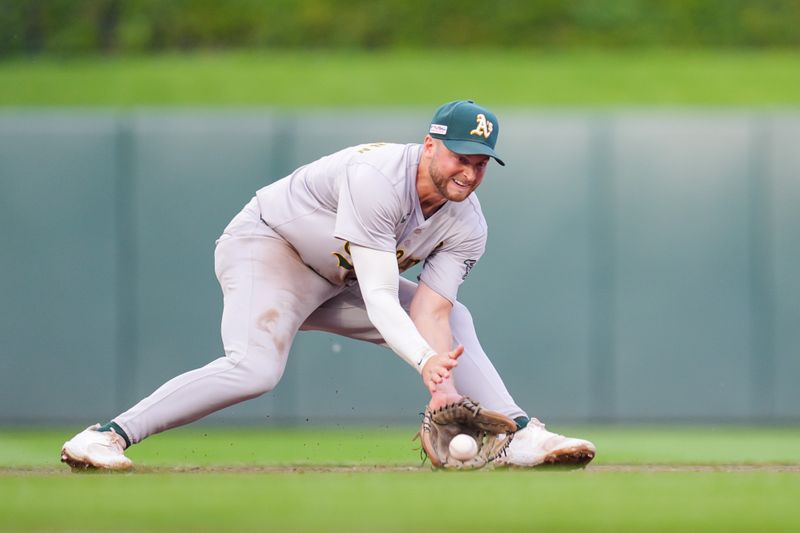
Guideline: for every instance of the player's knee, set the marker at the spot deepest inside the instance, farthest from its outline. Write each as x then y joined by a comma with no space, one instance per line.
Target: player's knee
261,374
256,385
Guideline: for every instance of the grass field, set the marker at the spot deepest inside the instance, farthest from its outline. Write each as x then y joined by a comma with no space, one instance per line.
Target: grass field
502,77
206,478
370,479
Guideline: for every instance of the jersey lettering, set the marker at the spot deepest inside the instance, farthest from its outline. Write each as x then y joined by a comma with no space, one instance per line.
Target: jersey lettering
345,260
407,263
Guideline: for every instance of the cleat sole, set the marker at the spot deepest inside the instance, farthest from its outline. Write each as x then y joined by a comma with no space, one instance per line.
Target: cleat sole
571,457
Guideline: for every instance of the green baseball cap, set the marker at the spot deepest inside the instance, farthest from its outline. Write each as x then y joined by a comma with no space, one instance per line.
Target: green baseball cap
466,128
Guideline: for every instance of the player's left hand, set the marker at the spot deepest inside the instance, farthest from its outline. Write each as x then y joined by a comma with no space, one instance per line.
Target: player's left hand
437,368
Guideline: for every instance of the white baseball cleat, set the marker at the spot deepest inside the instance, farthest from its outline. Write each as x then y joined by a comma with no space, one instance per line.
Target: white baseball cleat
96,449
534,445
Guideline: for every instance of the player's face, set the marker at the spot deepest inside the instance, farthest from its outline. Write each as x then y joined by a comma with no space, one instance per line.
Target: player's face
456,175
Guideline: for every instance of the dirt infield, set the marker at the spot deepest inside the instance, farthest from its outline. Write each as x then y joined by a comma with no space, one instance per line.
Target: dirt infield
307,469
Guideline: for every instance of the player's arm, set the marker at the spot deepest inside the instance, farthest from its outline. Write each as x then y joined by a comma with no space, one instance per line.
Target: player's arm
378,278
430,313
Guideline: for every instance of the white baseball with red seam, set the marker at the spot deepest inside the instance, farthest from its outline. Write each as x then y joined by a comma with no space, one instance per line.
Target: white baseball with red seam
463,447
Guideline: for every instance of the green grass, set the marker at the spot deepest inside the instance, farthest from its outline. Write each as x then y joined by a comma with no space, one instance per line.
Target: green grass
394,446
504,501
501,77
37,493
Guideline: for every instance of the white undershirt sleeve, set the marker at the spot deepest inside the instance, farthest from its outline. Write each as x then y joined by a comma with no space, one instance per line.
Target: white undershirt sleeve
378,277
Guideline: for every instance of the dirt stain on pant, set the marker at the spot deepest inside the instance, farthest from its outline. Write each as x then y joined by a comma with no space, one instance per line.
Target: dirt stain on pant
267,322
280,344
268,319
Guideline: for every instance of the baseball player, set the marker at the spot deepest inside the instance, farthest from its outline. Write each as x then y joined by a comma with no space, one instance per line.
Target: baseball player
323,249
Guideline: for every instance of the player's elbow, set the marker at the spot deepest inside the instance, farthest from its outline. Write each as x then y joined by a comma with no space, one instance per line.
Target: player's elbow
428,306
438,319
430,314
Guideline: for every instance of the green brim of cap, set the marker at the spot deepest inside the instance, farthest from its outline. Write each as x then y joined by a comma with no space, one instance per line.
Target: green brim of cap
471,148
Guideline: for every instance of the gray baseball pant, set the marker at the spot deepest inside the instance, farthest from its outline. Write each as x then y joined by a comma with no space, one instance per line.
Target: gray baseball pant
269,294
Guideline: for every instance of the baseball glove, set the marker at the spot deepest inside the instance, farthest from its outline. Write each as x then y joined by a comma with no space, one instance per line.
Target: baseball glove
489,429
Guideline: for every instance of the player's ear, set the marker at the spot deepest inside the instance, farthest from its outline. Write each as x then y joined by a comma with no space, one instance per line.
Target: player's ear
428,145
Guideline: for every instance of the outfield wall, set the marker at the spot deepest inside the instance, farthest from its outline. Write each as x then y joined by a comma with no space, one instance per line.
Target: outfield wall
641,266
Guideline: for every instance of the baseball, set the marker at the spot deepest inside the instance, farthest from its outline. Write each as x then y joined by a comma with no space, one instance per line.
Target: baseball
463,447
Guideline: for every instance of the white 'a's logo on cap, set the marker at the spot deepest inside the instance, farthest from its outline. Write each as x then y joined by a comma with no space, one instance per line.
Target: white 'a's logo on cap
484,126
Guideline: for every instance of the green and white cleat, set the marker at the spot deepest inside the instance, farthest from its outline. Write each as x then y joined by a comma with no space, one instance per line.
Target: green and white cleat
534,446
96,449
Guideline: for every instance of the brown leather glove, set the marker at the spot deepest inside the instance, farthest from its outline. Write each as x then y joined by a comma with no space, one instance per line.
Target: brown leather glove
489,429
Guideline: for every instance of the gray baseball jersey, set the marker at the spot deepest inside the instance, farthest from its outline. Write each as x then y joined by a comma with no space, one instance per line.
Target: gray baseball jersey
366,195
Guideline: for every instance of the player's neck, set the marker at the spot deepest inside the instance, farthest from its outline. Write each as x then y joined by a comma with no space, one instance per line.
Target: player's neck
430,199
430,208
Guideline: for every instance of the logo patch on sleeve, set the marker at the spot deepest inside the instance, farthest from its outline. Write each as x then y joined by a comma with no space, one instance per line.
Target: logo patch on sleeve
469,263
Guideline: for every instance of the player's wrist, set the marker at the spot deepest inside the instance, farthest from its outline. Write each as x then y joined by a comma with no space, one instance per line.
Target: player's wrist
426,356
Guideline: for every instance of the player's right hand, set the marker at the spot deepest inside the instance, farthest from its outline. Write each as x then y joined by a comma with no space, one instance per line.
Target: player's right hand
437,368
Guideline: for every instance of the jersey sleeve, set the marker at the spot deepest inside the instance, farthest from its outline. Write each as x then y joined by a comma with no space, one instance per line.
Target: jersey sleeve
447,268
368,209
